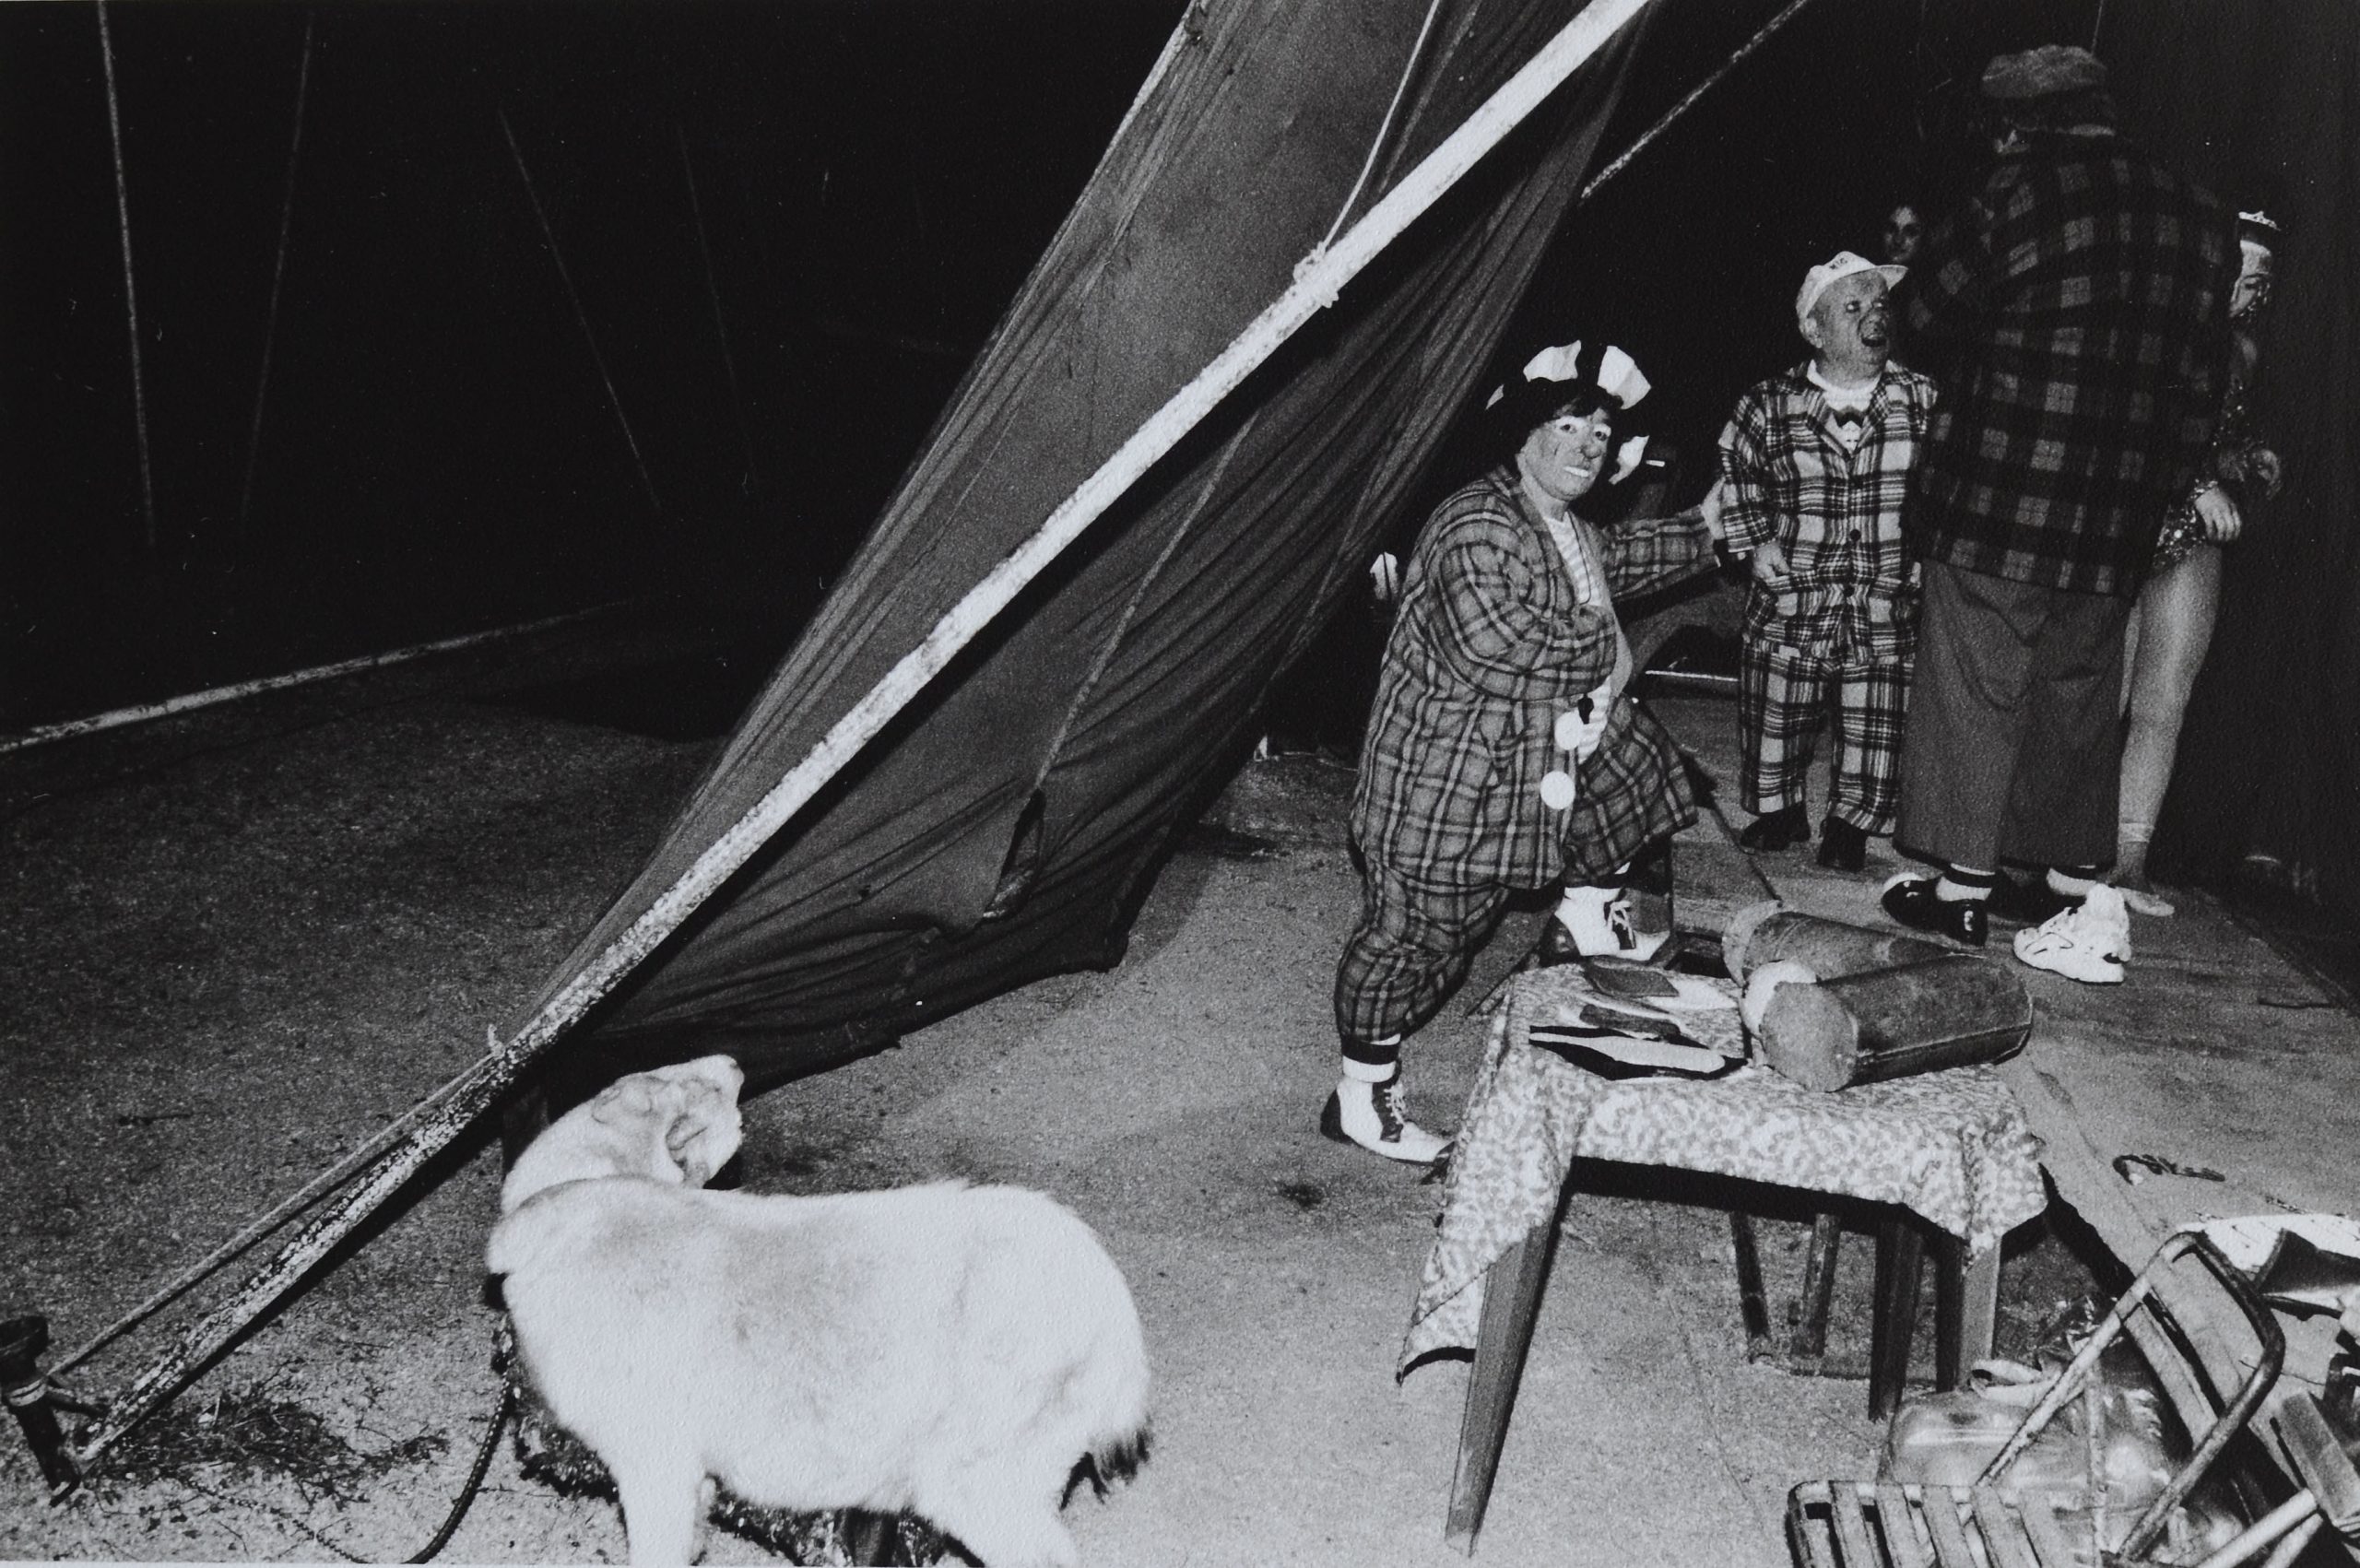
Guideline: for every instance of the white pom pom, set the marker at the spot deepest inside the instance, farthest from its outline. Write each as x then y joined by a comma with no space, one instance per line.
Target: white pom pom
1763,982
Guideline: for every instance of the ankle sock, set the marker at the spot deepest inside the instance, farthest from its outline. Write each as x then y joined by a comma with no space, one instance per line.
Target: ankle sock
1373,1061
1960,885
2073,881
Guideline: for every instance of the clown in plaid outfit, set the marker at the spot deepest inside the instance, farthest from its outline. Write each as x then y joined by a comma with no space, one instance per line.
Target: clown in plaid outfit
1505,750
2084,293
1815,468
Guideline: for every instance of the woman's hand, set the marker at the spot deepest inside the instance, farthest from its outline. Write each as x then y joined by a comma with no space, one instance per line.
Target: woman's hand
1769,564
2218,513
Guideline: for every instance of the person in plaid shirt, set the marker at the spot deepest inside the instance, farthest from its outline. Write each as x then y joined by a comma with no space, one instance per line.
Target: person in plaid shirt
1815,465
1504,749
2084,288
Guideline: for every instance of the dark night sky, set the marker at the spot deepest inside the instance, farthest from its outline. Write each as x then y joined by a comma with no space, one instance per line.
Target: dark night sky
438,450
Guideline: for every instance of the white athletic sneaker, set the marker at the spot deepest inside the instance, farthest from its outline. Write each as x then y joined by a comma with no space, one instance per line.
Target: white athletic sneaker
2088,942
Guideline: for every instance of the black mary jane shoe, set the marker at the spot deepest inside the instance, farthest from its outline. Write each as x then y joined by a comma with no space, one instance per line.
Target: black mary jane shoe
1782,828
1912,900
1842,846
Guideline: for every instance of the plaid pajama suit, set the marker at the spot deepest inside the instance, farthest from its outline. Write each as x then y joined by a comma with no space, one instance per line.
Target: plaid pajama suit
1495,640
1838,635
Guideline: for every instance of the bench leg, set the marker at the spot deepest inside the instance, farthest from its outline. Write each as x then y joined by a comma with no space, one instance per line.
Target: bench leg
1967,1309
1810,1344
1511,1307
1752,1301
1893,1321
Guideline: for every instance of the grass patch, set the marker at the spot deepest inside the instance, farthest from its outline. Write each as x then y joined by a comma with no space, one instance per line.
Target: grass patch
250,1430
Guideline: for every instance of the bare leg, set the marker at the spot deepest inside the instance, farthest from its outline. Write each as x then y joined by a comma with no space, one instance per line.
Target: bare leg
2171,630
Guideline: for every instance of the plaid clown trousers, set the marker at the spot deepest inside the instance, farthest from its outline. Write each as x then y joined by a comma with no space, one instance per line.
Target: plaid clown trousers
1784,693
1422,924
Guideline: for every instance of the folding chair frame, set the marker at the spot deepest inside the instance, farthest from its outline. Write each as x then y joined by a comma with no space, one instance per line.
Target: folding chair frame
1873,1524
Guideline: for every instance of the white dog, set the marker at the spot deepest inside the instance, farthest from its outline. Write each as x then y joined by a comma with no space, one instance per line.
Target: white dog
947,1351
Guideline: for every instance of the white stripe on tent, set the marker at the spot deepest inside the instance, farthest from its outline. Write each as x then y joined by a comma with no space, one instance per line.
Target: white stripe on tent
1318,279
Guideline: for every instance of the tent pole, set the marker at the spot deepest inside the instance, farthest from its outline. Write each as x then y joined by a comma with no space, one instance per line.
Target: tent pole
713,291
1623,159
548,238
116,718
277,281
130,284
1318,279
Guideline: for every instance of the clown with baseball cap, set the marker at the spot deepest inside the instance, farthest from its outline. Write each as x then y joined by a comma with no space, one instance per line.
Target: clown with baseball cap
1815,466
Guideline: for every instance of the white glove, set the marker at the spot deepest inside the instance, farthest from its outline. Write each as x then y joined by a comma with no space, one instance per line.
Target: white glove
1385,578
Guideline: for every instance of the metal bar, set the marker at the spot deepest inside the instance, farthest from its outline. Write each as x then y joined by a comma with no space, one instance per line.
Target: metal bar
2231,1421
2069,1381
1622,161
278,276
2291,1547
713,291
2282,1524
116,718
130,282
31,1400
565,278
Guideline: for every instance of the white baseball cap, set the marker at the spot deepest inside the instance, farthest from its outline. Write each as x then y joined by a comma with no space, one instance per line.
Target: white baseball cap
1842,264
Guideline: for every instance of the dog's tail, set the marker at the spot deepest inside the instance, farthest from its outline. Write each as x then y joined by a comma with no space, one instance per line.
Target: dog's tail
1111,1389
1118,1459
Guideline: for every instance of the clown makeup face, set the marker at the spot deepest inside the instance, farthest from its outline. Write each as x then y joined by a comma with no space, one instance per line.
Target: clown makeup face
1565,454
2252,290
1849,328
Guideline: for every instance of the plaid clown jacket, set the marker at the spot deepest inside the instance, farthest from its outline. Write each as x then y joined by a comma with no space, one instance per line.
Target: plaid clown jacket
1835,510
2084,290
1491,644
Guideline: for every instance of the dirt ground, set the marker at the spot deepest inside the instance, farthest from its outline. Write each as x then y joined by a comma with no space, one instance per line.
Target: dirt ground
237,960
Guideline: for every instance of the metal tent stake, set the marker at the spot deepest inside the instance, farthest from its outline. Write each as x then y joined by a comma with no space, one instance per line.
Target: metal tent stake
26,1387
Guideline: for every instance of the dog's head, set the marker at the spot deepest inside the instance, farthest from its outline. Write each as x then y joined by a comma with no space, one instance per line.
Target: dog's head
677,1124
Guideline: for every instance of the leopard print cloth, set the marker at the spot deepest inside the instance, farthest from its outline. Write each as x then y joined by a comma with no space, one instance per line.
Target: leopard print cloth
1952,1146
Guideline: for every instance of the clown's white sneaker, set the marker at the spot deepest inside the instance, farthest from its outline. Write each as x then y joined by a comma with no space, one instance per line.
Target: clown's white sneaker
1596,923
1368,1110
2088,942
